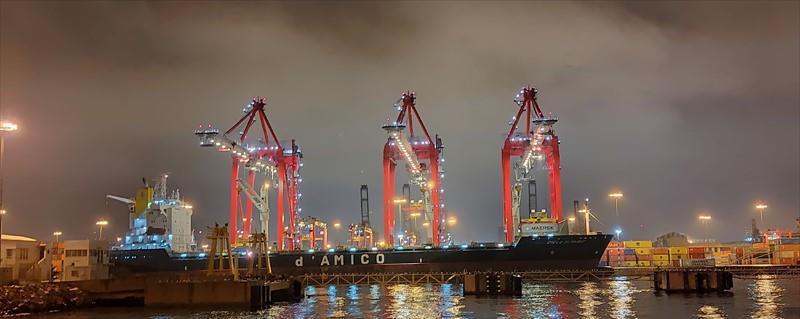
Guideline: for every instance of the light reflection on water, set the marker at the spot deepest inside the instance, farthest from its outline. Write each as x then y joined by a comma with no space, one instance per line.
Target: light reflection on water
618,298
766,295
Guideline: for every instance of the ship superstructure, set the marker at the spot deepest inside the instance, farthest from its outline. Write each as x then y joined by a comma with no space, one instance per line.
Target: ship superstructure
165,222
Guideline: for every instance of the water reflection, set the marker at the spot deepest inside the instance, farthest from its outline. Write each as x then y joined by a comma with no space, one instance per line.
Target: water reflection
621,299
766,295
536,303
588,294
710,312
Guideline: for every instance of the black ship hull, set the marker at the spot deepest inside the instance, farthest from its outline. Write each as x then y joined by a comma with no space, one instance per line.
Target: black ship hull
528,254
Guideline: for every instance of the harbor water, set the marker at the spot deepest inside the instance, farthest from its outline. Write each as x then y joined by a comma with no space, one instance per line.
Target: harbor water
621,297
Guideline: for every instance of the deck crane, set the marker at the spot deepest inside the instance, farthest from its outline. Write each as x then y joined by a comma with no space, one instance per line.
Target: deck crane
269,157
423,157
536,141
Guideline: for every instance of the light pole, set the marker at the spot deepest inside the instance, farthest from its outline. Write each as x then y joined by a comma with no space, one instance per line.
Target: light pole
4,127
400,201
704,219
761,206
336,227
101,223
57,235
2,212
616,196
618,232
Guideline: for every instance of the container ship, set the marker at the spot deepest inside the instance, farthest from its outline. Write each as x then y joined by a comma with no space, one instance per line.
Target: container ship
160,239
529,253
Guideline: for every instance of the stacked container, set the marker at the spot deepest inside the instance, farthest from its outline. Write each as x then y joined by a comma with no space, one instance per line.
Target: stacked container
788,254
676,254
661,257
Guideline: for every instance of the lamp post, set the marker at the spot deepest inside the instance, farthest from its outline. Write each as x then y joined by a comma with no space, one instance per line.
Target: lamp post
616,196
400,201
4,127
618,232
761,206
336,226
57,235
2,212
704,219
101,223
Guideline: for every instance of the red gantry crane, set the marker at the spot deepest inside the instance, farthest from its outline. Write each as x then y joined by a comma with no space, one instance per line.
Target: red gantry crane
423,157
267,156
529,145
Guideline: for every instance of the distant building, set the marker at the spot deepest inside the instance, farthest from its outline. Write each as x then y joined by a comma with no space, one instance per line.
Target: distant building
19,256
672,239
84,260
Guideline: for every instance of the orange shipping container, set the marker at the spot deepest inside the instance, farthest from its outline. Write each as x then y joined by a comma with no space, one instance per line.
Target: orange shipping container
615,244
789,247
696,250
630,257
789,261
615,251
644,257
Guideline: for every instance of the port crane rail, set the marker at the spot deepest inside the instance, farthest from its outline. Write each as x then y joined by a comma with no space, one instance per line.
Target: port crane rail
423,157
536,141
268,157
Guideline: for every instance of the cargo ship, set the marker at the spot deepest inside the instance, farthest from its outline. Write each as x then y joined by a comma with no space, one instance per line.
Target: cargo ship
529,253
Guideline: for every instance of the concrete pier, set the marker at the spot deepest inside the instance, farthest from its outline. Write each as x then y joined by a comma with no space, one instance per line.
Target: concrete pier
692,280
208,292
492,284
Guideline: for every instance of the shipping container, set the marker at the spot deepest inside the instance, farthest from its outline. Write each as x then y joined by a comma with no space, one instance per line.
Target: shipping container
642,251
643,263
630,264
644,257
697,256
630,257
615,244
615,251
697,250
616,258
661,257
697,263
789,247
660,251
678,257
787,254
629,251
638,244
678,251
789,261
661,263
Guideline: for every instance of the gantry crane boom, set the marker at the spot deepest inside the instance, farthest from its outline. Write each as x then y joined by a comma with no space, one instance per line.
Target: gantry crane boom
422,156
268,156
537,140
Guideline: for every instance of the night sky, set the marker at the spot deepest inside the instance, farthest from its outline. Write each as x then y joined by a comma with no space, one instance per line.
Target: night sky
686,107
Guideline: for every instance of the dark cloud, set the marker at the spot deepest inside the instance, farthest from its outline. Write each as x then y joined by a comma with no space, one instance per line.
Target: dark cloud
685,106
